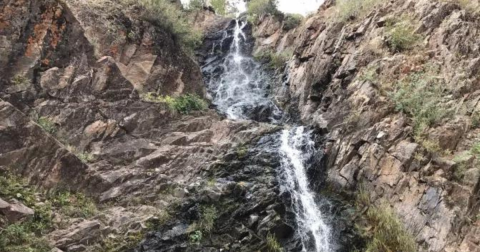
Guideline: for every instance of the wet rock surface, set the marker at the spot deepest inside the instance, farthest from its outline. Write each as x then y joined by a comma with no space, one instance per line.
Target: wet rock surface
250,205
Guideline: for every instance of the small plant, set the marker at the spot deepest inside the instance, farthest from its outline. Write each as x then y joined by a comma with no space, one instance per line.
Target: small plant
292,21
75,205
259,8
86,157
401,35
369,74
47,125
462,161
208,217
20,80
183,104
362,197
242,151
272,244
420,95
388,233
196,237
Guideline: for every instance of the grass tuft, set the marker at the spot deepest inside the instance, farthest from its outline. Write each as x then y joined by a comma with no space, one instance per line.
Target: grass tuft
183,104
272,244
207,221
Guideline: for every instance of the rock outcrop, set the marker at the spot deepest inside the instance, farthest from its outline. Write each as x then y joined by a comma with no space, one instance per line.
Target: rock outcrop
342,78
74,116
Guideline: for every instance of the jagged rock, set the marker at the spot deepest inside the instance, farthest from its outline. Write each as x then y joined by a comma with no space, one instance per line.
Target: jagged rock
78,236
15,211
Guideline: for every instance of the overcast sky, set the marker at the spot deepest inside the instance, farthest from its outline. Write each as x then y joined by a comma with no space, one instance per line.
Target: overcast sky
299,6
287,6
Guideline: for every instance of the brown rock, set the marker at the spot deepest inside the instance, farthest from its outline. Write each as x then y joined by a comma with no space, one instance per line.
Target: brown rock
15,211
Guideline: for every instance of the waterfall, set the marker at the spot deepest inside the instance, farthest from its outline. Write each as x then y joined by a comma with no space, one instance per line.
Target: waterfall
296,150
239,86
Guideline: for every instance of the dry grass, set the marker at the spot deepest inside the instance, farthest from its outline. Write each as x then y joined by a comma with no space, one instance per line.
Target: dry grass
383,230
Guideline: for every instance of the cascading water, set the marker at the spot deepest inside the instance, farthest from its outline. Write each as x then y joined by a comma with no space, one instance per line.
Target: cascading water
240,89
239,86
296,150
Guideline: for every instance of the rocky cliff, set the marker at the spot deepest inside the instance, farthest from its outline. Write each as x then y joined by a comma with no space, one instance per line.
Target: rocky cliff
106,132
89,106
395,85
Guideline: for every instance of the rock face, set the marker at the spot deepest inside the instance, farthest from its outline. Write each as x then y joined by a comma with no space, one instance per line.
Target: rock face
15,211
73,114
340,79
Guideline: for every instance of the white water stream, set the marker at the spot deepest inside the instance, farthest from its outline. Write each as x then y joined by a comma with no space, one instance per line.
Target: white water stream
242,87
297,149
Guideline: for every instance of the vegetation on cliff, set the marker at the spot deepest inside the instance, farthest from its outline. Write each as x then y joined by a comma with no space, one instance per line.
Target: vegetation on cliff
171,18
52,208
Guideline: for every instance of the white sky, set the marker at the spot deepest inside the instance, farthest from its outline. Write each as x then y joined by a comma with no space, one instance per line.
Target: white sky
303,7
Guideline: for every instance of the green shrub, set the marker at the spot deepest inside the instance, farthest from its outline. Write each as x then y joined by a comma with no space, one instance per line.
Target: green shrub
183,104
171,18
258,8
292,21
401,36
272,244
220,6
348,9
420,95
47,125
